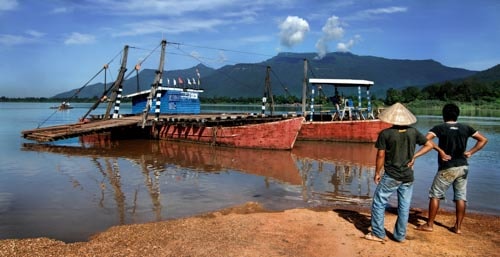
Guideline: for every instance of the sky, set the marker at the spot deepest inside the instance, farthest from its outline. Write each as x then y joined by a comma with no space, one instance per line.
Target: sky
52,46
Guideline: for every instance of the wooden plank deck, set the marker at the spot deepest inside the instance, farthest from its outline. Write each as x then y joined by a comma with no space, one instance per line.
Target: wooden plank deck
54,133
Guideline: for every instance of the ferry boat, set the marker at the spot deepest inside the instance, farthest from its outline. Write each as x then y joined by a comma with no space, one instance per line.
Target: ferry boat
346,122
176,117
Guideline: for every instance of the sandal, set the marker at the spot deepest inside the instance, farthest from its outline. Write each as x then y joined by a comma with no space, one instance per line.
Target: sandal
371,237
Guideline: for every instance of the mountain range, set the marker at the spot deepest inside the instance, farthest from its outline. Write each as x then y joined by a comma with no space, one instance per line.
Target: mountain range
287,74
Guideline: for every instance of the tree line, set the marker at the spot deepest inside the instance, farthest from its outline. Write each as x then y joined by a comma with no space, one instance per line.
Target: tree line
464,91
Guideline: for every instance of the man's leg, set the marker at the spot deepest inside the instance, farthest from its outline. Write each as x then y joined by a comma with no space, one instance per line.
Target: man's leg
460,214
433,209
460,197
405,191
380,198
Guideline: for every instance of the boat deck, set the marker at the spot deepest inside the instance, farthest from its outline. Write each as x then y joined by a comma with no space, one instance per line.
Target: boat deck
53,133
99,125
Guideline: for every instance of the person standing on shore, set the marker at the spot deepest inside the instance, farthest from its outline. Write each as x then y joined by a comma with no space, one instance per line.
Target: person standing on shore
453,138
396,151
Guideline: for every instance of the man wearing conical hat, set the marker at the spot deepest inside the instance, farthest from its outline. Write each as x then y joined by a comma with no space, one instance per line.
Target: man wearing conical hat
395,155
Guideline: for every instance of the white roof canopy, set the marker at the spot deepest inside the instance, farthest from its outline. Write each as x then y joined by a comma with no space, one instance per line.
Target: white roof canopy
342,82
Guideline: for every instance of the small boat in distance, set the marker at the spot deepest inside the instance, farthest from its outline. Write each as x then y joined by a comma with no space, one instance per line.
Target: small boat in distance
62,106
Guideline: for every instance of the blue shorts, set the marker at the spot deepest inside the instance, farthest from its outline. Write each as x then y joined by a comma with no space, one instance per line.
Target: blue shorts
456,176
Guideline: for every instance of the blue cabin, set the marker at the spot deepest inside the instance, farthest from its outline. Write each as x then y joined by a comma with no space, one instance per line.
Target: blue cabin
173,101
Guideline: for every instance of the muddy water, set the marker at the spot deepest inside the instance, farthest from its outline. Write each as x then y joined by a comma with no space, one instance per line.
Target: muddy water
72,189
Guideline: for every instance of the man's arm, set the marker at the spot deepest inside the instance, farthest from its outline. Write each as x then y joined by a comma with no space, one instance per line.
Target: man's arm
429,145
480,143
379,164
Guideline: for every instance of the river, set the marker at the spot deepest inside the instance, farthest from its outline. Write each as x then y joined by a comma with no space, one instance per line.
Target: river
70,190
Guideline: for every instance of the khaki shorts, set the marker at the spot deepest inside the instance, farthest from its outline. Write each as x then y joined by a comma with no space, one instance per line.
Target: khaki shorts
456,176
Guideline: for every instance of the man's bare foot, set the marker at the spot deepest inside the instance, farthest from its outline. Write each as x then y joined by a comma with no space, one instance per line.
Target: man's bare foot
455,230
424,227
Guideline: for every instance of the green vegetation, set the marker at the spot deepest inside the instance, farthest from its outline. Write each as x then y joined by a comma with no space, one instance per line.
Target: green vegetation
478,93
474,98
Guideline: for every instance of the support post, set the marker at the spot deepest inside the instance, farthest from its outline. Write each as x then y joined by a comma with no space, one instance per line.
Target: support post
117,87
304,88
312,103
369,107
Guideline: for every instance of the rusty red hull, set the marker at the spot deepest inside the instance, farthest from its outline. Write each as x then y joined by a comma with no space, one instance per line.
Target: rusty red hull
342,131
278,135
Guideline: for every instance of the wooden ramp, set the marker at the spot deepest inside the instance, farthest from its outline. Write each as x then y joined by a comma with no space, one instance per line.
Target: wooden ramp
53,133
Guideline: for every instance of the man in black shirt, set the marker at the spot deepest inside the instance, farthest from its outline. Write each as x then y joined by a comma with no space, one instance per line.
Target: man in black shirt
453,138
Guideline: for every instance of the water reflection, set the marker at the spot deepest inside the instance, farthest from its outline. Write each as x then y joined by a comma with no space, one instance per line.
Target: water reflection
320,172
163,163
336,172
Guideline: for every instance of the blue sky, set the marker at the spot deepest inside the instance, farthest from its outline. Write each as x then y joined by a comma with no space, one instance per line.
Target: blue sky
51,46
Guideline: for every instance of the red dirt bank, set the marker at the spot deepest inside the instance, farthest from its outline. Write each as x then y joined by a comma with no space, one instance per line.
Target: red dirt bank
249,230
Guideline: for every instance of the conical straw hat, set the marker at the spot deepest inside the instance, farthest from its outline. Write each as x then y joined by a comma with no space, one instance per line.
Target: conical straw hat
397,114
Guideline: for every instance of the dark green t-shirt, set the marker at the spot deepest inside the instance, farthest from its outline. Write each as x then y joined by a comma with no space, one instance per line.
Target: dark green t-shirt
399,143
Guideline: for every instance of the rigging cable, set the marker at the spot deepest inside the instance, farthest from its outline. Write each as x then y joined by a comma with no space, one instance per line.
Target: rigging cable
281,83
81,88
218,70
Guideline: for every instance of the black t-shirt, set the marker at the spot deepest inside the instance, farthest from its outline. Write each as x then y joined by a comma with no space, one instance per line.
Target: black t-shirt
453,140
399,143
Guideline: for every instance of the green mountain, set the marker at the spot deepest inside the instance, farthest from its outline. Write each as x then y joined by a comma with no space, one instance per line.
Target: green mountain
287,74
490,75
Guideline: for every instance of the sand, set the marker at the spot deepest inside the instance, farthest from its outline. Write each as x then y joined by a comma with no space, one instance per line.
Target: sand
249,230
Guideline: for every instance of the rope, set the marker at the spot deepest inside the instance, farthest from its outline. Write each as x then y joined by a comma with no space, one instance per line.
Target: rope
217,70
281,83
143,60
81,88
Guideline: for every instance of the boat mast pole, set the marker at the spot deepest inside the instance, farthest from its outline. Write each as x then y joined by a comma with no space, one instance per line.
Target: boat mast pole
304,88
117,88
268,93
154,87
105,93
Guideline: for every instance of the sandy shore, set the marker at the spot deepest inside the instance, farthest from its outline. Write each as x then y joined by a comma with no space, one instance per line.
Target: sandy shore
249,230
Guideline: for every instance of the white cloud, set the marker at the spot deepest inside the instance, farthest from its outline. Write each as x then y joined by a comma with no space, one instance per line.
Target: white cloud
374,13
163,7
195,54
7,5
79,39
346,47
256,39
387,10
332,30
11,40
61,10
221,57
293,31
35,34
176,26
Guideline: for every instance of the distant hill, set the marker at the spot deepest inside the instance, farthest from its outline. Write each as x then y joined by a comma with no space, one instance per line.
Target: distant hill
490,75
287,72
